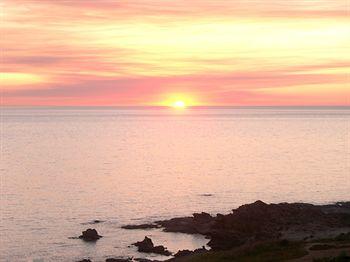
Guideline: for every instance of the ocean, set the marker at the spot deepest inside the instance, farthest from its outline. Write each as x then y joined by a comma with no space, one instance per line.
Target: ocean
62,168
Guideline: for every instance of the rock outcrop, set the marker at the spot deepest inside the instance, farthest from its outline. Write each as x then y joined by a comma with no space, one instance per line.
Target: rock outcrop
186,252
90,235
259,222
147,246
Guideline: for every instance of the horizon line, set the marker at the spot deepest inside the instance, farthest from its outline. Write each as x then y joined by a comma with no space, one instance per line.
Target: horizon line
166,107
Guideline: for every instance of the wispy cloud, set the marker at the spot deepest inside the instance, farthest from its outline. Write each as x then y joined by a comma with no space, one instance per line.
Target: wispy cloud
137,52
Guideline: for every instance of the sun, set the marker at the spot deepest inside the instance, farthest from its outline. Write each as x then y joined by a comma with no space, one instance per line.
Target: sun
179,104
177,100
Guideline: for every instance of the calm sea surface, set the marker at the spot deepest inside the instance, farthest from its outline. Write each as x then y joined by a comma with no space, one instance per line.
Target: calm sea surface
62,168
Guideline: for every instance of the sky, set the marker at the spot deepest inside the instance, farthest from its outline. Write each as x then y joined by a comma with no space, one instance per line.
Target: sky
156,52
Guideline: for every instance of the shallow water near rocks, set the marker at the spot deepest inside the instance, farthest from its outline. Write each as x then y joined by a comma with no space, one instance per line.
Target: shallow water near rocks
63,168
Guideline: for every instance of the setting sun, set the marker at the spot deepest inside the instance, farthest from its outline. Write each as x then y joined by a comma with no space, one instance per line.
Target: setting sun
179,100
179,104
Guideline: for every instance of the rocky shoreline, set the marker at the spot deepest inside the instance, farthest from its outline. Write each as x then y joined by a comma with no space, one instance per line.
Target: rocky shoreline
253,225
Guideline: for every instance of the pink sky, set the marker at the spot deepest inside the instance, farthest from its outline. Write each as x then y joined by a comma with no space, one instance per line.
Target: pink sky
137,52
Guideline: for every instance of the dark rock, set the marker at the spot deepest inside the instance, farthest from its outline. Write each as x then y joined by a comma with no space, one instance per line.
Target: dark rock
284,242
90,235
186,252
183,253
145,260
200,250
339,207
206,195
118,260
343,237
344,204
84,260
141,226
322,247
199,223
179,224
161,250
93,222
258,222
225,240
147,246
202,217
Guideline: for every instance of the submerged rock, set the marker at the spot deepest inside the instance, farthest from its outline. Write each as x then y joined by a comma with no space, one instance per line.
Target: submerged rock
90,235
93,222
118,260
147,246
146,260
141,226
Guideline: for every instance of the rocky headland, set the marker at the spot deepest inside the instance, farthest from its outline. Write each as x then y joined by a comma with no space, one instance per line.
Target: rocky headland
285,231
